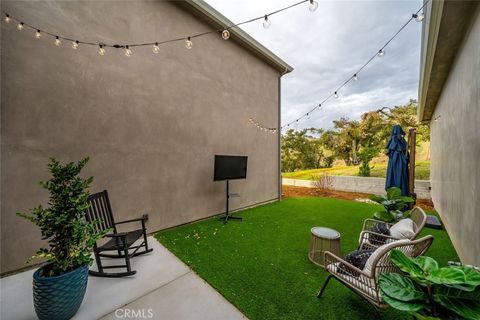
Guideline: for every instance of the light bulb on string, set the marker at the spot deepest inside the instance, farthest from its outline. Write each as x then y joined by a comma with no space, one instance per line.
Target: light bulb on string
418,16
38,35
101,50
381,53
7,18
308,115
225,34
335,95
75,45
266,23
313,5
57,41
355,77
156,48
128,52
20,26
188,43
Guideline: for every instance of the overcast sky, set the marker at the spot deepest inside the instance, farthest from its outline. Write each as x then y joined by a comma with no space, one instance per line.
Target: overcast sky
327,46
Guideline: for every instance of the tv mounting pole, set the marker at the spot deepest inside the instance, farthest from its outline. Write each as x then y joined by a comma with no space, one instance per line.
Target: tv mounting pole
227,213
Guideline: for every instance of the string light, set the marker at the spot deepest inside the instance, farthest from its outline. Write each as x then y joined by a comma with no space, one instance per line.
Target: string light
101,50
261,127
156,48
379,53
266,23
418,16
225,34
308,115
128,52
38,35
188,43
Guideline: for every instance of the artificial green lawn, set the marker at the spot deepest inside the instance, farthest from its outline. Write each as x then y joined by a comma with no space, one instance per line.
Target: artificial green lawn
260,264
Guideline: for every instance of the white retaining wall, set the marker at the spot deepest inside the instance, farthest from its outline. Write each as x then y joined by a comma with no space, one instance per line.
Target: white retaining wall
361,184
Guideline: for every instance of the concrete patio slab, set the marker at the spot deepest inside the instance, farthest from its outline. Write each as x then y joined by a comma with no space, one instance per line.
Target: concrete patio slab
163,283
186,298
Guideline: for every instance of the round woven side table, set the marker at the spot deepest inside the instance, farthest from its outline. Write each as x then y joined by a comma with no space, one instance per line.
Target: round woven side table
323,239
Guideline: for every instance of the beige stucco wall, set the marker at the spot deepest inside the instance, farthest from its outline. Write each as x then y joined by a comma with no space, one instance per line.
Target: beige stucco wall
455,149
151,124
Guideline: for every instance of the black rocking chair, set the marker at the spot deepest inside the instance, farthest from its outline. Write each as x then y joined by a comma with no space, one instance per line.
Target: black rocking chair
121,242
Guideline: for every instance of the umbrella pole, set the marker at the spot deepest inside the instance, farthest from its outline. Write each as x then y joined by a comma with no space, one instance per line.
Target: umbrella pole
412,136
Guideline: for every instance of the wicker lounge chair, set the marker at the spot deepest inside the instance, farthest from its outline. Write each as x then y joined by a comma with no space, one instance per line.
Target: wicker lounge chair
365,282
417,215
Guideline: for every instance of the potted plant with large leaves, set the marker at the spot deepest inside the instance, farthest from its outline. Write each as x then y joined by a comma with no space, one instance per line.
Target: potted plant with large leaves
429,292
59,286
393,202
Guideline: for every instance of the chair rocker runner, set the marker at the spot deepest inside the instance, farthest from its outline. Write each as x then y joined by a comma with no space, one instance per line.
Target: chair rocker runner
120,242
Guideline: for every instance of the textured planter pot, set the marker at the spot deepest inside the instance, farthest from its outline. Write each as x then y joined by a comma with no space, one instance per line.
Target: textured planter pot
59,297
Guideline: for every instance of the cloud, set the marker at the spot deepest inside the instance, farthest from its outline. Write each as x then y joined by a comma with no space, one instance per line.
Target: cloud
327,46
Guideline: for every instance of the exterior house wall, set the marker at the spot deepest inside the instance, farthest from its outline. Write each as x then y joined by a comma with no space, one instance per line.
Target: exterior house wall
455,149
151,124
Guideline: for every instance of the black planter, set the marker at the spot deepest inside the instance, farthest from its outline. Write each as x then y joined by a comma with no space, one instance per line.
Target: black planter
59,297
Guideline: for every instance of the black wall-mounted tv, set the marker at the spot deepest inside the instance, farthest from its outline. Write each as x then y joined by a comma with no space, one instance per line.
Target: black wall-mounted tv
230,167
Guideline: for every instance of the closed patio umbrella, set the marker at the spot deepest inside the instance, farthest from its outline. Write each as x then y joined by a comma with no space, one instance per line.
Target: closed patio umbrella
397,170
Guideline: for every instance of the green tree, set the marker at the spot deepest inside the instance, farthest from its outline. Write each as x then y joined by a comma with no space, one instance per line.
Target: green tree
301,150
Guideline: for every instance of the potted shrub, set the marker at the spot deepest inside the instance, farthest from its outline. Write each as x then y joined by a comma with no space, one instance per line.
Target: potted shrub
393,203
429,292
59,285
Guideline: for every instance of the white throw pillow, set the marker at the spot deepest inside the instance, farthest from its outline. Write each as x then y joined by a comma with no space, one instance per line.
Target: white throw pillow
380,251
403,229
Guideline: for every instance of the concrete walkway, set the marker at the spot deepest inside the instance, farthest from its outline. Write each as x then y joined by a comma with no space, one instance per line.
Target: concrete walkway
163,288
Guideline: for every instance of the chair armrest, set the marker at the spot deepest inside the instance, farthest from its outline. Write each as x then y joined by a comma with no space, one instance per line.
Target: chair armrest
330,258
116,235
143,219
374,239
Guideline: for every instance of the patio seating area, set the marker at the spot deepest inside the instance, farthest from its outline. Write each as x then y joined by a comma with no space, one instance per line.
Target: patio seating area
261,264
342,184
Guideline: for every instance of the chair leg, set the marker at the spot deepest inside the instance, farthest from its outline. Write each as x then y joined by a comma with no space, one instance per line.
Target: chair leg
324,286
379,315
98,260
145,235
127,257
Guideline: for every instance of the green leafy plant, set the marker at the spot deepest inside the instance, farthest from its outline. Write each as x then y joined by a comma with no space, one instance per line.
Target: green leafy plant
430,292
392,202
366,154
70,236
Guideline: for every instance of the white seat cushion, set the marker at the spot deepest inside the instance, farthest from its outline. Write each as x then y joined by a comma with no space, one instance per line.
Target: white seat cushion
379,252
403,229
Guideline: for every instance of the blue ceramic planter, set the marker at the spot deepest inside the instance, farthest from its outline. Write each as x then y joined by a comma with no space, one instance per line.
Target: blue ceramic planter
59,297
